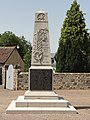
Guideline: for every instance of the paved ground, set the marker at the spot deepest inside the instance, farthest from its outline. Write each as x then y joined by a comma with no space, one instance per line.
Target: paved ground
79,98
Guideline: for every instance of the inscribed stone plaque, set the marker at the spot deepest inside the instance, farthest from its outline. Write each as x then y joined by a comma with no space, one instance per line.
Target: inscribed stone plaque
41,79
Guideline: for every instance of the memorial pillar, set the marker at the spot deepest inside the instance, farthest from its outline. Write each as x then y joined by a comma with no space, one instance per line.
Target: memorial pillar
41,70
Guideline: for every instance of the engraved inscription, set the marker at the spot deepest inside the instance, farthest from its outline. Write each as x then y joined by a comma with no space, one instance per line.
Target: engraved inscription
41,16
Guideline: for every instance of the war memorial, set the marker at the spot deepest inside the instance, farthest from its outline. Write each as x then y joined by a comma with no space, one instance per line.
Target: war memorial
40,98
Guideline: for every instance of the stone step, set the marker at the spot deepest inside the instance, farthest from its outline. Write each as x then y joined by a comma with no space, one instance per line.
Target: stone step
41,95
21,102
42,102
12,109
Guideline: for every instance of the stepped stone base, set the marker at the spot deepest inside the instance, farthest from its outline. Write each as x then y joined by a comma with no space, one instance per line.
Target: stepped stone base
40,102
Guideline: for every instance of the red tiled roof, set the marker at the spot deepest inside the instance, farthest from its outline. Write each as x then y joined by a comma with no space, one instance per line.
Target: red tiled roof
5,52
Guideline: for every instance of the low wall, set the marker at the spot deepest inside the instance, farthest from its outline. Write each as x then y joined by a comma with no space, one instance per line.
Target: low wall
71,81
23,81
61,81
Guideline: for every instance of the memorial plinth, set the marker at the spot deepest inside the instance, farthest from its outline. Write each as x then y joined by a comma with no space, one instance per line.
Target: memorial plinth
41,78
40,98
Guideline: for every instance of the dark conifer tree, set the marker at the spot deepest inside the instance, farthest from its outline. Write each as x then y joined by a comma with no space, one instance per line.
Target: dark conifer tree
74,43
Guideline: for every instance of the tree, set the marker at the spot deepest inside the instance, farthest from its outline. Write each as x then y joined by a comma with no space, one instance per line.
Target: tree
10,39
27,60
74,43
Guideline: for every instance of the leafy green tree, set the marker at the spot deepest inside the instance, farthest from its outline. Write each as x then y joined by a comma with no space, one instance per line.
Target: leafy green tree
10,39
74,43
27,60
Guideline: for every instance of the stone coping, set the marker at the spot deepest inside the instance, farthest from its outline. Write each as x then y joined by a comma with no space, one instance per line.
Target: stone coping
71,73
41,67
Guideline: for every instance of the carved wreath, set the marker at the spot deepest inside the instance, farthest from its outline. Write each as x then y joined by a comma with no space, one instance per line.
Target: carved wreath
41,16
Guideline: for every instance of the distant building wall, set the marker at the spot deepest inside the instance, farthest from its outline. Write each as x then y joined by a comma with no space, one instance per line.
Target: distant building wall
15,59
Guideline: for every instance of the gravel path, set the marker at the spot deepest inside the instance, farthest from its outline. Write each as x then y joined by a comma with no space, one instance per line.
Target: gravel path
76,97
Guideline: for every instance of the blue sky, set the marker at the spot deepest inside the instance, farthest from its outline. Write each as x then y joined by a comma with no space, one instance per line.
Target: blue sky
18,16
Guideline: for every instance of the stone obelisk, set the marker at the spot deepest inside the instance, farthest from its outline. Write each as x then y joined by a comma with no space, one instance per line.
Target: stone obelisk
40,98
41,70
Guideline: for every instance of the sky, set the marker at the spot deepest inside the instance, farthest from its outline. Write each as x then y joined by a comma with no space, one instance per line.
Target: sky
18,17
